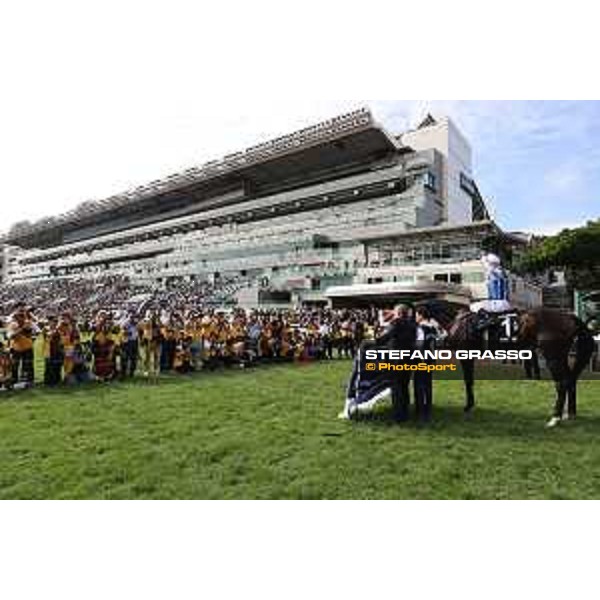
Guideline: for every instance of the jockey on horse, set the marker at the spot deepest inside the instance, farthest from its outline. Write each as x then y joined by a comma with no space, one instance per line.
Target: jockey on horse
497,301
493,321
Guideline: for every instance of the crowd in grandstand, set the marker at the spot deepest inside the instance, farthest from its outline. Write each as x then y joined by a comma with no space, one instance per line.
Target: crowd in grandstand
114,293
107,329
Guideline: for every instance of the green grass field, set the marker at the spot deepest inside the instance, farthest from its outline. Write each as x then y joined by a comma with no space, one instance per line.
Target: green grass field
272,433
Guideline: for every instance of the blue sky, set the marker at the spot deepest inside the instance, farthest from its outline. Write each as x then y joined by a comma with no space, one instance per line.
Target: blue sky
538,162
82,119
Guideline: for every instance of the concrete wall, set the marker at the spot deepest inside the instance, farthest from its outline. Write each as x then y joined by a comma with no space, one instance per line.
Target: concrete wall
7,254
446,138
3,265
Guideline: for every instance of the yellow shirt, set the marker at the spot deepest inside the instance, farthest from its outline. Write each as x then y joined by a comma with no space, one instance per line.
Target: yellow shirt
5,367
46,344
145,331
20,341
66,336
119,336
207,330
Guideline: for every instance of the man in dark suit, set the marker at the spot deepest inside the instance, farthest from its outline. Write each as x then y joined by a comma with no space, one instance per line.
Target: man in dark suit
401,334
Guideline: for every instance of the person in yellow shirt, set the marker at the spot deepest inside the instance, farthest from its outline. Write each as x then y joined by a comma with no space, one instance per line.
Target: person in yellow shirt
69,336
21,330
6,380
287,346
193,330
182,361
53,352
150,337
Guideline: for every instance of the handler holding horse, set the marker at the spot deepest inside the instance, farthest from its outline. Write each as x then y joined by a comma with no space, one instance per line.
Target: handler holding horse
401,335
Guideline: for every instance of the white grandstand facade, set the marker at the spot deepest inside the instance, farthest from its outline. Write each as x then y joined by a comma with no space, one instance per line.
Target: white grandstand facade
341,203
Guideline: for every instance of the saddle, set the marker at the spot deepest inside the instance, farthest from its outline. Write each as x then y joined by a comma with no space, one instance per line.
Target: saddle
506,324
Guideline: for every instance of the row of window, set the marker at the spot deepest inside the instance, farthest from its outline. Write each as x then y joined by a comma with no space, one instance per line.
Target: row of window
428,253
453,277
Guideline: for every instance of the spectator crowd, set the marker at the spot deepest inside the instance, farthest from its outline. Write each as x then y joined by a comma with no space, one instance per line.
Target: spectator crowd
106,329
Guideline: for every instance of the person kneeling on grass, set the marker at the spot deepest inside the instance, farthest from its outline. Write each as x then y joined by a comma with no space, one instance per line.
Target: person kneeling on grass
363,394
81,357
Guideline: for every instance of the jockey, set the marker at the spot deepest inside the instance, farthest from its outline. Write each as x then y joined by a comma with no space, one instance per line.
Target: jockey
497,287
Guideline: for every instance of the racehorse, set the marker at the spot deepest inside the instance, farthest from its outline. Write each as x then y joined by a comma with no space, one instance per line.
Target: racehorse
555,333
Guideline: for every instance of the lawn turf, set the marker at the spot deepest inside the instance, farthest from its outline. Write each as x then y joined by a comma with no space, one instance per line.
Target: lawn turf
272,432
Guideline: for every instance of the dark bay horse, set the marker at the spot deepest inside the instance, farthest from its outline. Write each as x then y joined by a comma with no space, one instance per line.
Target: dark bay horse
554,333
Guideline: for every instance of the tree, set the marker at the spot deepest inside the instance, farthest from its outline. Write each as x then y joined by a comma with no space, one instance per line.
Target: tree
574,251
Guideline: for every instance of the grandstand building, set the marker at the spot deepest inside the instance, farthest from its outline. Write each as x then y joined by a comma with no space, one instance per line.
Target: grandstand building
341,203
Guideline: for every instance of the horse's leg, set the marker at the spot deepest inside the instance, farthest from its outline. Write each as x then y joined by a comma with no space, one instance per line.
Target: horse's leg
559,368
468,369
584,348
572,400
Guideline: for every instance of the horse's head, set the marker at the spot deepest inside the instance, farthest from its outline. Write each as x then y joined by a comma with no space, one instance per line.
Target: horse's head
548,326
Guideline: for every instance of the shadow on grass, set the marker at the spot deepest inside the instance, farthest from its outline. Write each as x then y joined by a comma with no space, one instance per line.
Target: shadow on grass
483,422
164,380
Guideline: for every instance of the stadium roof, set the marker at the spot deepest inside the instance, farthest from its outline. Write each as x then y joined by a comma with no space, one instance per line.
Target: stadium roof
399,291
341,140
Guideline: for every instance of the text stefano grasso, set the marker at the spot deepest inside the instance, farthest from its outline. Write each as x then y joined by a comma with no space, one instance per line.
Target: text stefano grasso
411,355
